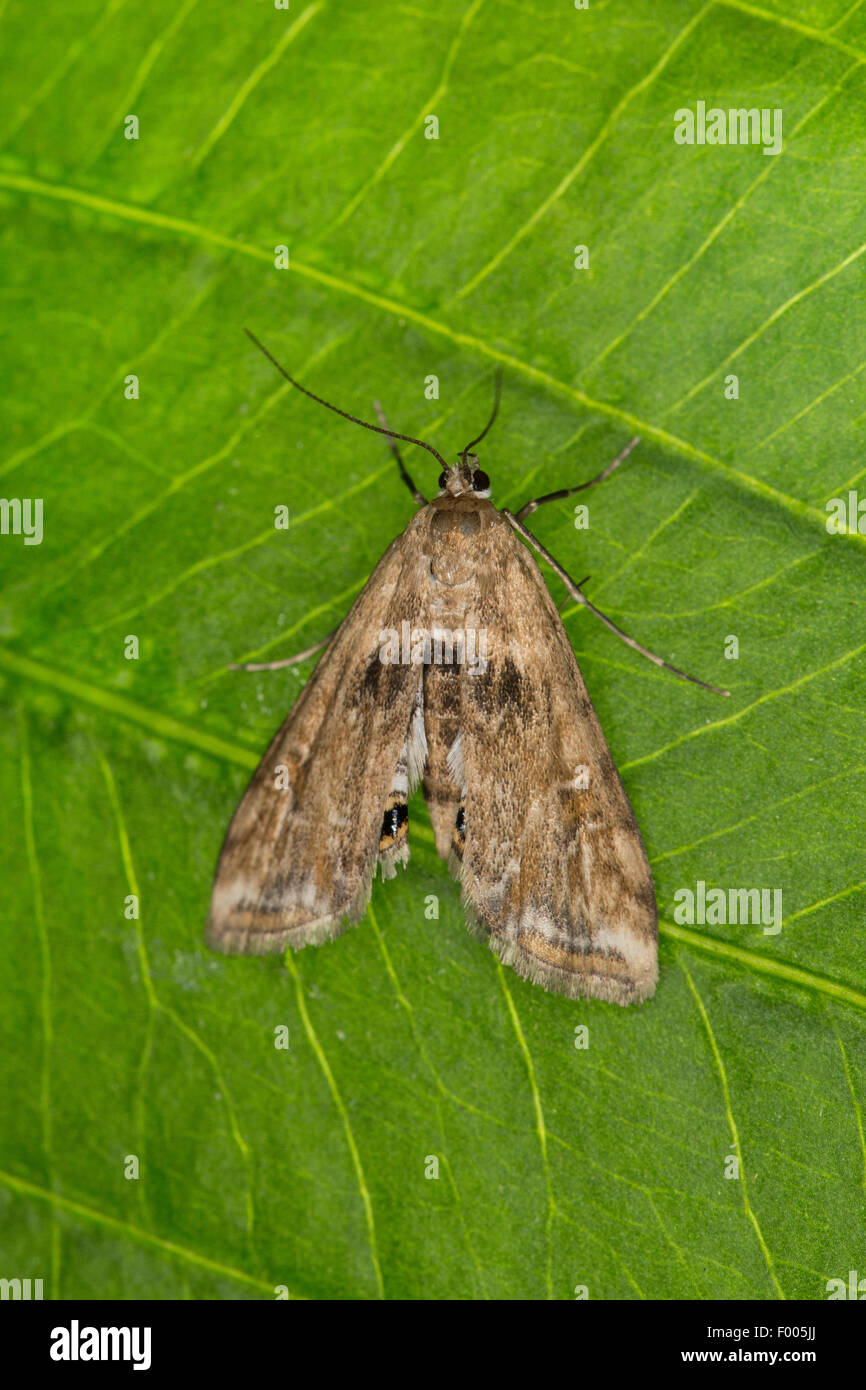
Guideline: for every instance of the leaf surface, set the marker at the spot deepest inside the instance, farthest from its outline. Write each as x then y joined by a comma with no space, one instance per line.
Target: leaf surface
412,258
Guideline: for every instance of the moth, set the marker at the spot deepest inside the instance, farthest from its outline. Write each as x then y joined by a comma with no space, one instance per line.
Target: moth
525,800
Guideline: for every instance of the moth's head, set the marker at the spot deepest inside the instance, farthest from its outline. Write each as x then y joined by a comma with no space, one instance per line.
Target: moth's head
464,479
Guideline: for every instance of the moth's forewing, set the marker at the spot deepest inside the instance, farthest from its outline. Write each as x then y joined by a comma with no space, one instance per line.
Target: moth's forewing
553,867
519,780
300,853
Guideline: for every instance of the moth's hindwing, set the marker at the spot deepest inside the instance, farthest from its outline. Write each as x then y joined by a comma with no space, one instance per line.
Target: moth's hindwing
328,798
553,868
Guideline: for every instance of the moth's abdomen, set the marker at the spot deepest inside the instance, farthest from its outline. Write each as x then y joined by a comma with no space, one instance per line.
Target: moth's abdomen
442,723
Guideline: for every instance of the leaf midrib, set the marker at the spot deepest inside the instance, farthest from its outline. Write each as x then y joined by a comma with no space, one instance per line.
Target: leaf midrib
793,506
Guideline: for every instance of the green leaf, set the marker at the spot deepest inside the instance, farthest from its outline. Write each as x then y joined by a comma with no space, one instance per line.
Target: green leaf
411,257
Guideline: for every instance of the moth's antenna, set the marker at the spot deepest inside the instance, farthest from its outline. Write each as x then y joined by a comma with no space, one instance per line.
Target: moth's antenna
497,394
377,429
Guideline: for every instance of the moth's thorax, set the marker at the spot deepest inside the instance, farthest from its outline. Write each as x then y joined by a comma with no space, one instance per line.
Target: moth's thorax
455,526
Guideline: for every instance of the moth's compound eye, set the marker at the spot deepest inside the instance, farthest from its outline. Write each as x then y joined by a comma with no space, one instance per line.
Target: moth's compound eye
480,481
443,477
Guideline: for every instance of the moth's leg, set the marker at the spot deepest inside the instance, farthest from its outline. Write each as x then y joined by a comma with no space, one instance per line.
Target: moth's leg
419,496
581,598
286,661
537,502
580,584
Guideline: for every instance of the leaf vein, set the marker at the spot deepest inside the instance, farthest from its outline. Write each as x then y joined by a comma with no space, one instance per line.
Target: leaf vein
440,1087
585,159
249,85
44,992
539,1119
344,1116
726,1094
157,1005
130,212
132,1233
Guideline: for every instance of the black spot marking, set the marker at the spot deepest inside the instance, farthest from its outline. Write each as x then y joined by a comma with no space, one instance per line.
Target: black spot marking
373,674
510,685
502,689
458,834
395,823
384,681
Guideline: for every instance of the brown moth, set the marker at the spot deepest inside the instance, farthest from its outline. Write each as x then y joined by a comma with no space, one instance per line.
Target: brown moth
524,797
